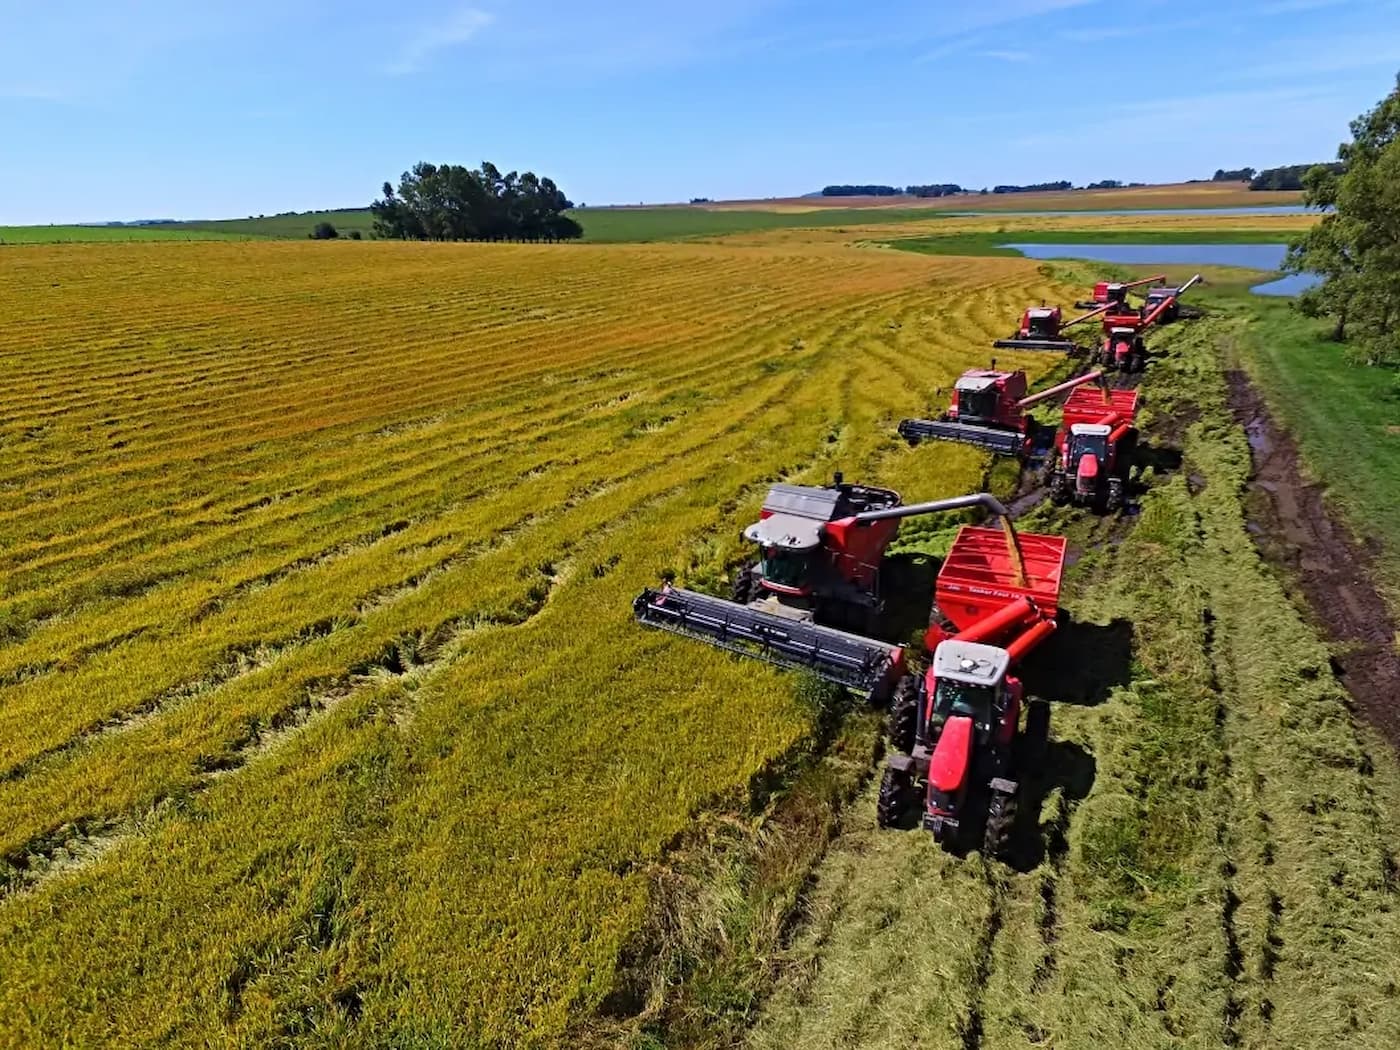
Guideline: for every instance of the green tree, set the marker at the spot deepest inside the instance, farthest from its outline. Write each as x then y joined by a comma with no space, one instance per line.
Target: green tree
1355,247
324,231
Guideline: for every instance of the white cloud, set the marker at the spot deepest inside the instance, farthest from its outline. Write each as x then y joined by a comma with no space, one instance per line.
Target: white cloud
459,28
1007,56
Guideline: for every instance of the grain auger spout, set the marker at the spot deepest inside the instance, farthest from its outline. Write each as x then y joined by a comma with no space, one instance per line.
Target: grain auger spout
804,602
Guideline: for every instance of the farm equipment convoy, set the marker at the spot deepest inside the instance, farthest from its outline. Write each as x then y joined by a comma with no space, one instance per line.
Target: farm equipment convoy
1094,449
1043,327
957,741
818,568
989,410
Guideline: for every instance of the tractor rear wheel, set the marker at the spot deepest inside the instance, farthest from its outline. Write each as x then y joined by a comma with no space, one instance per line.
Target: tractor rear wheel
1001,822
1035,738
896,793
903,722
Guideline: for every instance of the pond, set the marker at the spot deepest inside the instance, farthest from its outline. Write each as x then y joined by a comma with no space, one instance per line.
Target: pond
1248,256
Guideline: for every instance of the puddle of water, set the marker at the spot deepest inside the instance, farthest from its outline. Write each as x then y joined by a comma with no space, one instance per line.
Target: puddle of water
1288,286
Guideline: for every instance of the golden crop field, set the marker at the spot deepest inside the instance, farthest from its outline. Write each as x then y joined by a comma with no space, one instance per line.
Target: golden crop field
322,711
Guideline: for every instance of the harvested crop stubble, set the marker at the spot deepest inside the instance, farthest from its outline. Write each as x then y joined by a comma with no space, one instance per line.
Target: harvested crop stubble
315,635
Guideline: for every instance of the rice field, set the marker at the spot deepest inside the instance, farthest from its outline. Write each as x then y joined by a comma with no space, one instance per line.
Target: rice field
322,715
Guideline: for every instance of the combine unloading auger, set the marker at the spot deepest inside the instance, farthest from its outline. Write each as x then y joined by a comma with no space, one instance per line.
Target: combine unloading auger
816,569
1115,293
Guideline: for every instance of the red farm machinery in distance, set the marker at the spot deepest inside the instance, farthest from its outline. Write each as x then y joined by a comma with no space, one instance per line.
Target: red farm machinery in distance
1094,449
1114,294
817,570
1043,327
958,745
1123,345
989,410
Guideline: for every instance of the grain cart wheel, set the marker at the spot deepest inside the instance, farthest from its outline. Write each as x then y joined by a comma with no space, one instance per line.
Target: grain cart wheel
746,586
903,722
896,792
1001,821
1035,738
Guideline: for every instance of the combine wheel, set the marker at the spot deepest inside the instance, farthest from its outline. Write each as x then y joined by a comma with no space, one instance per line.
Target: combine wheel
903,723
896,792
1035,738
746,586
1001,821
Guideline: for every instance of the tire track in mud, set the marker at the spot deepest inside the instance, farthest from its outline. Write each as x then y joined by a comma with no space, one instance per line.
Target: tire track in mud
1294,528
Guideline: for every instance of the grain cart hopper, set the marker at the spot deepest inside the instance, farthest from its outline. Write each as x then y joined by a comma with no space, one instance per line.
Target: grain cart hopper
988,410
1042,328
1094,449
1163,303
1115,293
819,558
957,744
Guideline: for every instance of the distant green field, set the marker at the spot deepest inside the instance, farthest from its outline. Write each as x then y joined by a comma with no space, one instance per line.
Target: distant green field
87,234
296,226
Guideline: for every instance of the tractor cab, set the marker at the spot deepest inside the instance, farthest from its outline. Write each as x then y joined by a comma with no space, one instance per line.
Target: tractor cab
968,680
1087,455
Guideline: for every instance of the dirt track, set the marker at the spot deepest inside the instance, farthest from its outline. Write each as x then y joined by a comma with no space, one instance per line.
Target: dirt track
1296,529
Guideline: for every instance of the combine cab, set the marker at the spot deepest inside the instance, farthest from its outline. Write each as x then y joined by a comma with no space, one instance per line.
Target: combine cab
1163,304
988,410
819,555
1094,449
957,737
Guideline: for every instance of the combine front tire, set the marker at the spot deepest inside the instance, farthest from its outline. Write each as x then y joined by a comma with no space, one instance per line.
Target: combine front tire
896,792
746,586
1001,822
903,722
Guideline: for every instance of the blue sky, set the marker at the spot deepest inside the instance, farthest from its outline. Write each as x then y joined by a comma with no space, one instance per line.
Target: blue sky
165,108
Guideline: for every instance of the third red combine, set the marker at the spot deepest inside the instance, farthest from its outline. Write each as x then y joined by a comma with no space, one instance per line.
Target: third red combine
1094,449
957,740
989,410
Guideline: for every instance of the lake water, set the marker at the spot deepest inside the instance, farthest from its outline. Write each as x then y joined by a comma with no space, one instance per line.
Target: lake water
1249,256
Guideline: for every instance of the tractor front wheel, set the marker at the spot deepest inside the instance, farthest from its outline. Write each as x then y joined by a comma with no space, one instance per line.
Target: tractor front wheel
896,793
1001,822
1059,487
1116,495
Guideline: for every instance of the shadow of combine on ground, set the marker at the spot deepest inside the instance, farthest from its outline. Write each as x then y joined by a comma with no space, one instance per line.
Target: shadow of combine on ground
1082,663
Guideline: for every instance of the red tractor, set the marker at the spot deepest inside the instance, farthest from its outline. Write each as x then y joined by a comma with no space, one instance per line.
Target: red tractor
1094,449
1123,346
988,410
818,565
958,743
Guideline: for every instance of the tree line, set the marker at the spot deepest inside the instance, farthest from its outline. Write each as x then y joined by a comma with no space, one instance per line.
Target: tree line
1354,246
943,189
450,202
1289,177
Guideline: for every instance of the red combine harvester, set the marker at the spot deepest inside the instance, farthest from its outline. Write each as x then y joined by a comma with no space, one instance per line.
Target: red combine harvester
1094,449
956,736
1115,293
820,551
988,410
1042,328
